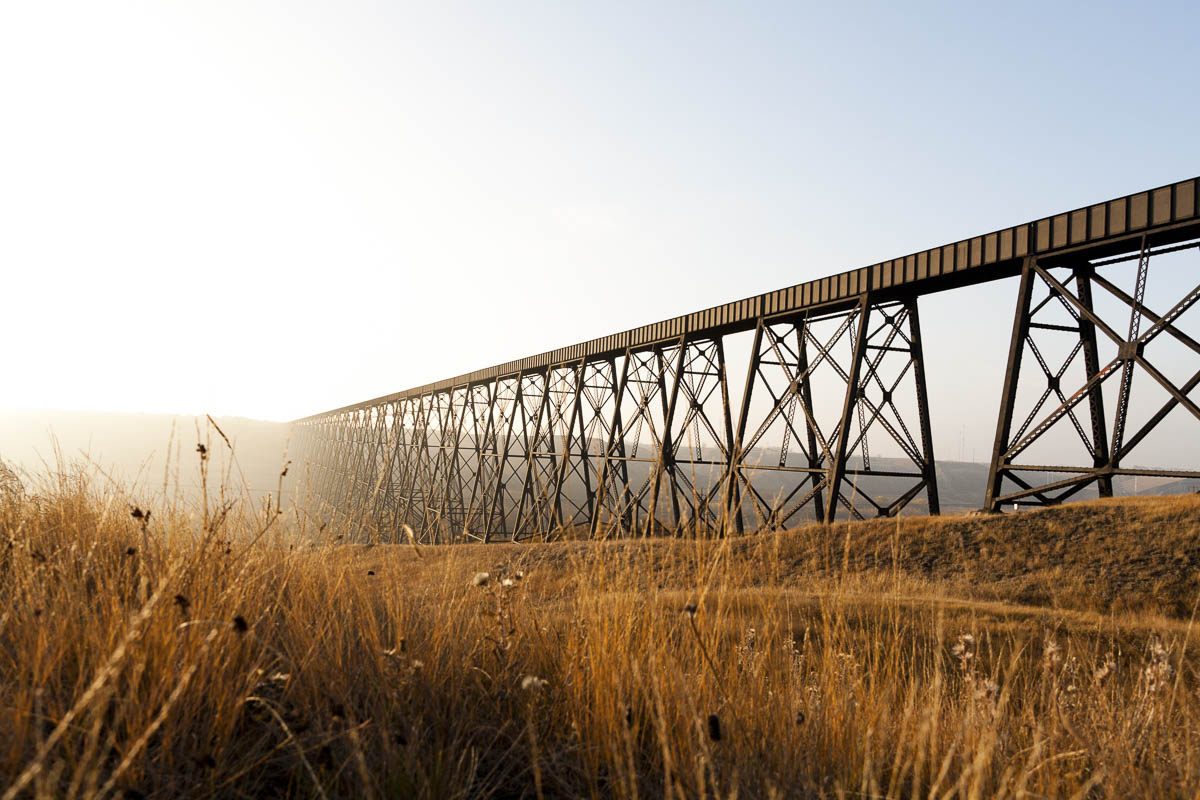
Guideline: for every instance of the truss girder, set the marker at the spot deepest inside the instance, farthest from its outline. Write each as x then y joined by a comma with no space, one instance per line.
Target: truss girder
644,442
638,432
1069,284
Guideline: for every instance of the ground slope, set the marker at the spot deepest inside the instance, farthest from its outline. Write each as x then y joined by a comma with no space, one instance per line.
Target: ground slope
1121,555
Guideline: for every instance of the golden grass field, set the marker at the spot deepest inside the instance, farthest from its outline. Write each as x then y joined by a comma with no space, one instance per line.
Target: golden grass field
238,654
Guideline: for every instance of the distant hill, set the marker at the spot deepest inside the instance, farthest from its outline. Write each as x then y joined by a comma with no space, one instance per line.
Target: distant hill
141,448
137,449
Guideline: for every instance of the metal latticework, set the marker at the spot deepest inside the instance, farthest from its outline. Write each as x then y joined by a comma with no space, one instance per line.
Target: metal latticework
1014,481
642,431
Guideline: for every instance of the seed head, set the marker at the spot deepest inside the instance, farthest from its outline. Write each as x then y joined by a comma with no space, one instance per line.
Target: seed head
986,690
480,579
1158,671
532,683
1106,669
963,648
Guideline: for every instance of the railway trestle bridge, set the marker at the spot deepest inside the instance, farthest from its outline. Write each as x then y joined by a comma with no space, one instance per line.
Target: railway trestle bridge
642,431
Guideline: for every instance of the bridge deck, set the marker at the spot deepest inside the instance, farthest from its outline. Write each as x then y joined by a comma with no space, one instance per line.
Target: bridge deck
1164,215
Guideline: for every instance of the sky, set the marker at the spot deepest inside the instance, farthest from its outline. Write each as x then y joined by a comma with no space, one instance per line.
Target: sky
272,209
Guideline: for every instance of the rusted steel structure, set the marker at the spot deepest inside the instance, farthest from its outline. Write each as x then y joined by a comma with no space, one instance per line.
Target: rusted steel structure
635,432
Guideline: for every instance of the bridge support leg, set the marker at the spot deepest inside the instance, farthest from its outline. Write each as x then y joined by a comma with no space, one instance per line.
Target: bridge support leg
1008,394
837,470
698,439
929,467
1091,361
612,453
664,466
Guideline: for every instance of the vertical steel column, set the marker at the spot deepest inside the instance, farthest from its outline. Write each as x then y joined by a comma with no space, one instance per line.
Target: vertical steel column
395,469
480,402
729,440
562,456
503,431
417,512
452,500
498,511
737,456
489,481
838,468
614,442
609,368
406,455
1091,362
382,461
1008,396
918,356
529,504
666,461
378,447
345,485
805,389
564,465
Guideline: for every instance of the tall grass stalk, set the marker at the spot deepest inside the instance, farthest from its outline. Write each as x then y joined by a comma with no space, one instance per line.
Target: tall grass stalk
821,662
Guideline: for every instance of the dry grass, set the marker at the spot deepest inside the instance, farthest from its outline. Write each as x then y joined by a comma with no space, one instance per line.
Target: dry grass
214,655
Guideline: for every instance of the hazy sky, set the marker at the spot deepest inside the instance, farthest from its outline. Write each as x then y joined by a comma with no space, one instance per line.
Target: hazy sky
272,209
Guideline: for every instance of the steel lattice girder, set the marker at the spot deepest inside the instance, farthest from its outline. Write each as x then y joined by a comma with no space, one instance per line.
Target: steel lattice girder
634,433
1074,293
653,450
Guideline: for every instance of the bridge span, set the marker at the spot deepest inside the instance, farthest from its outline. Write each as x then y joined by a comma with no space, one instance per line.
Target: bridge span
641,432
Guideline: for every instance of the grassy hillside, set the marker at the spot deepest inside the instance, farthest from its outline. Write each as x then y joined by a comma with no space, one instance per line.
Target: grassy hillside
224,653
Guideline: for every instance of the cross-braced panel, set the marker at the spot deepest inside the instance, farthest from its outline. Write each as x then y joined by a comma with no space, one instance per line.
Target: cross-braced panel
542,502
890,405
423,493
627,494
584,440
1083,348
502,499
869,355
699,441
452,459
477,454
794,479
525,506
